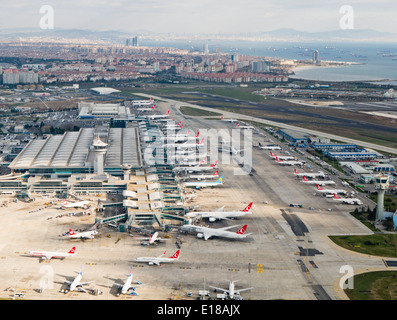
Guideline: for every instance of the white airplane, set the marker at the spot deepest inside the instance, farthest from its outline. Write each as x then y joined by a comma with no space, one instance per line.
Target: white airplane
330,191
203,184
272,147
76,284
184,145
146,109
179,137
82,235
310,174
228,120
80,204
196,168
355,201
126,287
232,293
244,127
203,176
220,214
289,162
282,158
319,182
226,147
158,260
158,116
206,233
143,102
152,239
48,255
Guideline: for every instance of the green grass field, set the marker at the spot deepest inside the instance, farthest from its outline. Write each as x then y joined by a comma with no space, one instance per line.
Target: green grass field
379,285
382,245
190,111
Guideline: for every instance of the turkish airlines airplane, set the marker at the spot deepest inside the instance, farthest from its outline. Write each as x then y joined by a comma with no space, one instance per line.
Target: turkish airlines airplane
48,255
232,293
269,147
76,285
80,204
158,260
228,120
196,168
220,214
206,233
355,201
158,116
184,144
282,158
203,176
289,162
319,182
82,235
330,191
126,287
226,147
203,184
310,174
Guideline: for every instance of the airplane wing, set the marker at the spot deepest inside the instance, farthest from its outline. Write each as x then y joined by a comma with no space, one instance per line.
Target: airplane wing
241,290
227,228
220,209
220,289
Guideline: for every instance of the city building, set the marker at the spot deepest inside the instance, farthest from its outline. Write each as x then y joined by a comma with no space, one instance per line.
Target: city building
296,138
90,110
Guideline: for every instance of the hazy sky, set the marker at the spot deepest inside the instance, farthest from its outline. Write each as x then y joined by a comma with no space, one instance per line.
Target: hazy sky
201,16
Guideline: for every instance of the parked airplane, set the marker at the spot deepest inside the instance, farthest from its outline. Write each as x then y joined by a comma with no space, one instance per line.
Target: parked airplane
80,204
220,214
184,144
158,116
158,260
355,201
197,168
206,233
203,176
126,287
76,284
319,182
330,191
228,120
152,239
203,184
269,147
232,293
82,235
310,174
244,127
48,255
226,147
282,158
289,162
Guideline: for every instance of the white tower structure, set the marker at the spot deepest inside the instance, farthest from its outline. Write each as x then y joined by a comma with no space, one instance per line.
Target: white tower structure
127,171
100,151
381,184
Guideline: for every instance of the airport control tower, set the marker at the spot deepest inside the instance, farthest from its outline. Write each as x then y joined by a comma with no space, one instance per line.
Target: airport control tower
126,171
381,184
100,149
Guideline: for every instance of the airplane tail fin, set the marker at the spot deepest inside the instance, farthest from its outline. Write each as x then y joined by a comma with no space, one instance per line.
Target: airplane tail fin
175,255
220,180
214,164
72,251
71,232
277,159
216,173
242,230
248,208
197,134
168,112
201,141
335,196
296,171
318,187
304,178
271,153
